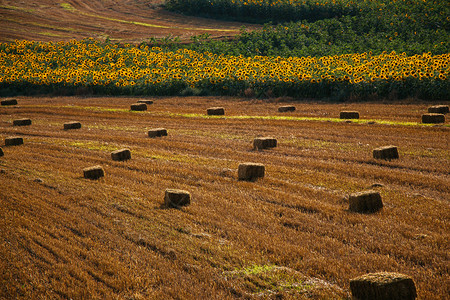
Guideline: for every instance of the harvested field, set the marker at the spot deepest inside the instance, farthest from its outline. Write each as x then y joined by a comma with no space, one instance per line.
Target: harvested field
288,234
118,20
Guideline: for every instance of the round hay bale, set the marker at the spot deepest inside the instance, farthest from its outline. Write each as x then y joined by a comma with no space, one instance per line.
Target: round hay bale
264,143
383,286
138,107
433,118
176,198
286,108
13,141
157,132
9,102
439,109
365,202
22,122
1,152
215,111
386,152
147,102
121,155
72,125
349,115
94,172
250,171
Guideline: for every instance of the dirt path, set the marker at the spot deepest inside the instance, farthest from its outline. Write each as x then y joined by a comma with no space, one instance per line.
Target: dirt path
120,20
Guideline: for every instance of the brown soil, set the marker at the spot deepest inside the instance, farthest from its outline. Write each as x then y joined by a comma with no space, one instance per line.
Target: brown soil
289,234
120,20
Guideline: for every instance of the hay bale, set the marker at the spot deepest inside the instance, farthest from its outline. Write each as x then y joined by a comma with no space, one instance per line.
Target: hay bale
94,172
120,155
383,286
176,198
286,108
147,102
439,109
72,125
264,143
22,122
433,118
365,202
250,171
138,107
13,141
157,132
9,102
215,111
386,152
349,115
1,152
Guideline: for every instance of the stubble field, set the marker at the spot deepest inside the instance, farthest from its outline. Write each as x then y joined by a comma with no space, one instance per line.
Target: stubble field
289,234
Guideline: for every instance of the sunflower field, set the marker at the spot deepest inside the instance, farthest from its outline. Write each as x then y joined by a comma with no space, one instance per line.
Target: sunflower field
29,67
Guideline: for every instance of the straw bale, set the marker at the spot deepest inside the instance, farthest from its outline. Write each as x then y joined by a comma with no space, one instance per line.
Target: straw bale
286,108
264,142
157,132
439,109
176,198
120,155
1,152
250,171
148,102
349,115
9,102
139,106
433,118
21,122
215,111
383,286
94,172
365,202
13,141
386,152
72,125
